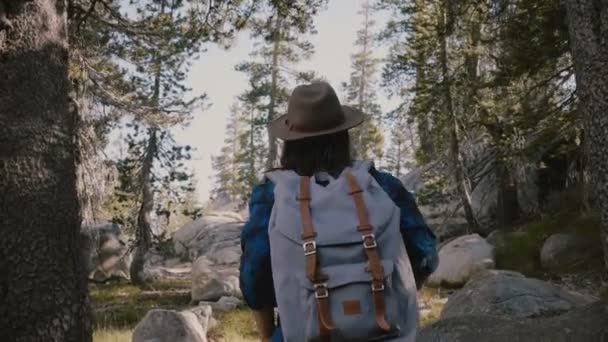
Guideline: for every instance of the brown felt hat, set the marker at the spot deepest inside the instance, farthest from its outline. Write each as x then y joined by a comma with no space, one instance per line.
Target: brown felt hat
314,109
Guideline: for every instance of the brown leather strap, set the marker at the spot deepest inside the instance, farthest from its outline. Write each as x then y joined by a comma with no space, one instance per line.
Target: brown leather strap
379,310
327,324
308,231
371,251
313,274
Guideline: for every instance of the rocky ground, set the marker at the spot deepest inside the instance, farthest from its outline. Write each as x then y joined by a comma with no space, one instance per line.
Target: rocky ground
529,284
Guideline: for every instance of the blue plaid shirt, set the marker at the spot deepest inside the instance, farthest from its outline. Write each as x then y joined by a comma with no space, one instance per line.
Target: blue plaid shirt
255,270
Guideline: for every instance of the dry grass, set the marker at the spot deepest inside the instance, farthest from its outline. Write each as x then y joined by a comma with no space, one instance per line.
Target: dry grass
237,325
122,306
429,296
112,335
118,308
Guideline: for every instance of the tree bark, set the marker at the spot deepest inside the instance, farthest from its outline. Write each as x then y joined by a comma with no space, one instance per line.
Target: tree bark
588,28
507,204
252,141
455,157
43,288
143,233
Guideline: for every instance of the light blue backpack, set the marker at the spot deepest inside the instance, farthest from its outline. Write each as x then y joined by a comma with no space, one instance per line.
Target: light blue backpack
340,268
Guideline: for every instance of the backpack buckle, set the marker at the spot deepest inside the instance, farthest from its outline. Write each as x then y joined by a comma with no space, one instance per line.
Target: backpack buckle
321,290
310,248
377,287
369,241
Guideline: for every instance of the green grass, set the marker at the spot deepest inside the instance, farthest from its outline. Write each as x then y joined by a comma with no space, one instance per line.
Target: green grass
521,251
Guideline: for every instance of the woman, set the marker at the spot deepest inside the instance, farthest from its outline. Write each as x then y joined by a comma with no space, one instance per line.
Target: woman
316,141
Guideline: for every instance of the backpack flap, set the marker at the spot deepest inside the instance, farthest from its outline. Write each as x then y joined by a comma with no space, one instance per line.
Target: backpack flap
347,274
351,303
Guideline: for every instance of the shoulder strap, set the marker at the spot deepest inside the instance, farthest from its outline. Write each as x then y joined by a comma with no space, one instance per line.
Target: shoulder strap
370,245
313,274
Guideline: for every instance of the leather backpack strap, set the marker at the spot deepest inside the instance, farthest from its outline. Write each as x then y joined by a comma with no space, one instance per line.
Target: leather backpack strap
313,274
308,231
371,251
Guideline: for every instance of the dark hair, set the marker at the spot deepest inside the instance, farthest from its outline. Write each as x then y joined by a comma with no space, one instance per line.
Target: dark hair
330,153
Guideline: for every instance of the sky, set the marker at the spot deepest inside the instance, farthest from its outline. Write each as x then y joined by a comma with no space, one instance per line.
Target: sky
214,75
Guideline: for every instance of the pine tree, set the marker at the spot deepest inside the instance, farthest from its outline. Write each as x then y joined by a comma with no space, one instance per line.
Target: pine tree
412,68
361,92
485,73
251,157
158,74
279,30
589,49
399,155
225,163
100,33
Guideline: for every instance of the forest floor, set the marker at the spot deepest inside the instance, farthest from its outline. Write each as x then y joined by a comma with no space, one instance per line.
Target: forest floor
521,252
119,307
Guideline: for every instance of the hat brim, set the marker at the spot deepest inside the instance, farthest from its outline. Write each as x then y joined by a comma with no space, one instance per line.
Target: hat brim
279,128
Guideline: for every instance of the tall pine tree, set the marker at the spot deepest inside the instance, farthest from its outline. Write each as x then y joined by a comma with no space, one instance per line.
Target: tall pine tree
368,141
225,164
159,63
279,29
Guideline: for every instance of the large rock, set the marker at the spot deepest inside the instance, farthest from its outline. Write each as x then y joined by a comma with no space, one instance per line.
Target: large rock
209,235
581,324
218,286
224,304
510,294
461,258
170,326
225,203
564,251
213,242
204,315
105,251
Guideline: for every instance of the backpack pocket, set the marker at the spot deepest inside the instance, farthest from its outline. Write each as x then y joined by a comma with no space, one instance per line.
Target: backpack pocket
351,304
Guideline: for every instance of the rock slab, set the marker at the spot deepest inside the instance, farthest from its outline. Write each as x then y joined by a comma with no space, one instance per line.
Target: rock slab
510,294
563,251
213,243
581,324
224,304
460,259
105,251
170,326
218,286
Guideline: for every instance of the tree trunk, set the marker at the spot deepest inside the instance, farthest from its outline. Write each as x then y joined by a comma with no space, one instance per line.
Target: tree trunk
143,233
252,147
427,146
360,146
588,26
507,204
455,158
399,152
423,122
43,287
274,84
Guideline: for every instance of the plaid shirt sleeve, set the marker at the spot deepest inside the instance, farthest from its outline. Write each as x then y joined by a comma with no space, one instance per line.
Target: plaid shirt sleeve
419,239
255,270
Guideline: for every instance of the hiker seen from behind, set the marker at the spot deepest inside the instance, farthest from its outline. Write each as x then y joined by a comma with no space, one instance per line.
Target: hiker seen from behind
336,246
